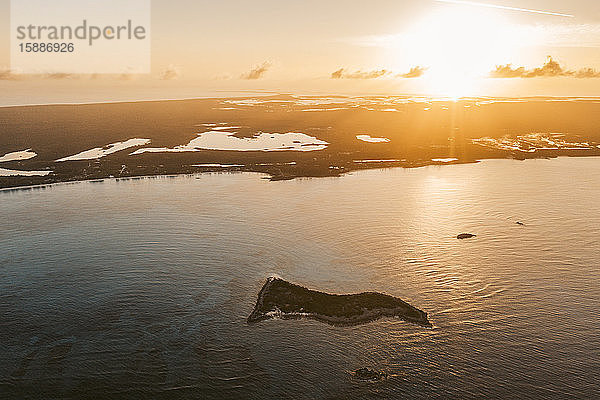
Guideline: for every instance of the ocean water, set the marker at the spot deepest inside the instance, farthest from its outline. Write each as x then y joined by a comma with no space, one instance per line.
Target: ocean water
141,289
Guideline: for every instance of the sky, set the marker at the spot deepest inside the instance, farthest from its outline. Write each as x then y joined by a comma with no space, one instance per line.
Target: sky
429,47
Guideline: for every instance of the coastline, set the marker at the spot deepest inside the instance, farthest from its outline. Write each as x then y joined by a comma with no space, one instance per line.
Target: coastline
23,185
256,134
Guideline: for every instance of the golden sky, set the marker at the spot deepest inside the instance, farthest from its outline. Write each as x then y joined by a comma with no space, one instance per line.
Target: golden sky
432,47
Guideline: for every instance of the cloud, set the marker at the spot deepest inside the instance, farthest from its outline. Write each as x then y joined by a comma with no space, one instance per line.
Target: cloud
8,74
257,72
507,71
338,74
60,75
415,72
587,73
341,74
125,76
171,72
550,69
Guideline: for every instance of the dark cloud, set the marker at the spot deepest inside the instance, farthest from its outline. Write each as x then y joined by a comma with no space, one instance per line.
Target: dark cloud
341,74
550,69
171,72
257,72
415,72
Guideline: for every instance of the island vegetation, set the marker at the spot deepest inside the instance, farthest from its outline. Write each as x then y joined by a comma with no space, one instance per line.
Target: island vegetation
281,299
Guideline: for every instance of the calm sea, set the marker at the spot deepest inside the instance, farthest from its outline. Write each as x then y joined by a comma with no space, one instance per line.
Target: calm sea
141,288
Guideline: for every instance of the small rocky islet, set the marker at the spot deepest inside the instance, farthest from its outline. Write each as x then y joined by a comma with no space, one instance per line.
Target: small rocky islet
281,299
368,374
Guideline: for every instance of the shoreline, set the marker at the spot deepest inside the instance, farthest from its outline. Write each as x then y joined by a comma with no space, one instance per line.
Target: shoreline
277,135
199,171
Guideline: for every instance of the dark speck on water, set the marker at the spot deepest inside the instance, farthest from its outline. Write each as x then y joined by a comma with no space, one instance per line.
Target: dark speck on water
368,374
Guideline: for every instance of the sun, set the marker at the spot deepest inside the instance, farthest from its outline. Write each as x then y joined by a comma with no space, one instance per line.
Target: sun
459,45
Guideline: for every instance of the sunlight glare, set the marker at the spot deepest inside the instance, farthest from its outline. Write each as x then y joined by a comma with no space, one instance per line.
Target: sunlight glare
459,45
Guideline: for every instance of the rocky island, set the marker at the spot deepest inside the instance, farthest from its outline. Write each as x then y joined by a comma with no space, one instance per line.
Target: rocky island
279,298
368,374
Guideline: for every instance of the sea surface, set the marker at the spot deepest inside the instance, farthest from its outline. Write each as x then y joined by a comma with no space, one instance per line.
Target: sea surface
141,288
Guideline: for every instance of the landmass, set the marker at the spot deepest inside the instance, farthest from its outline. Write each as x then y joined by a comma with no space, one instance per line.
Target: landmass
282,299
284,136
